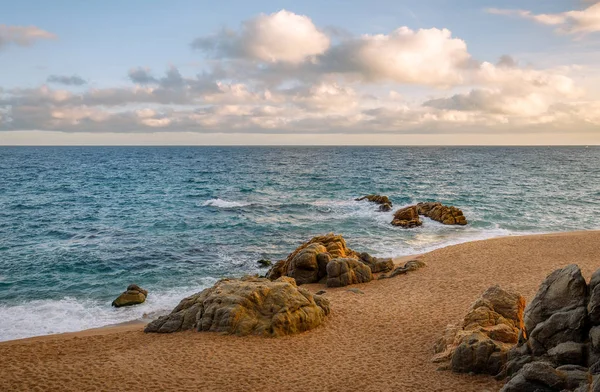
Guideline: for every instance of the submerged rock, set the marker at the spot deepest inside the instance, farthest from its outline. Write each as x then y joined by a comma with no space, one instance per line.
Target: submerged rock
488,331
407,217
385,207
379,199
133,296
264,263
247,306
447,215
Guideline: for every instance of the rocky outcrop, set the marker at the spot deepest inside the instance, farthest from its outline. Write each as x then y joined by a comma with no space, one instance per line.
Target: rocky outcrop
411,265
558,348
447,215
480,343
247,306
379,199
343,272
133,296
309,263
407,217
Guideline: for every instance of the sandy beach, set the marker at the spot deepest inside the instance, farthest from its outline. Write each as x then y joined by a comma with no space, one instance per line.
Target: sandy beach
377,341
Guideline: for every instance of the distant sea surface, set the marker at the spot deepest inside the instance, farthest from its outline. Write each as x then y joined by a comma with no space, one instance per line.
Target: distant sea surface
78,224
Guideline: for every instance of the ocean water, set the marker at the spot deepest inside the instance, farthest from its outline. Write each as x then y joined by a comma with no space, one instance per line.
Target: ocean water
78,224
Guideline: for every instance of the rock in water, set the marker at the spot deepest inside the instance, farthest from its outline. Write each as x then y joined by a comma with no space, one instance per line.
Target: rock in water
441,213
385,207
133,296
558,349
407,217
264,263
481,342
309,262
379,199
247,306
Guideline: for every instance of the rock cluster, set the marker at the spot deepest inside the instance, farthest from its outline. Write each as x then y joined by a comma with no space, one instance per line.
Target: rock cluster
407,217
327,258
559,347
132,296
411,265
480,343
247,306
385,204
447,215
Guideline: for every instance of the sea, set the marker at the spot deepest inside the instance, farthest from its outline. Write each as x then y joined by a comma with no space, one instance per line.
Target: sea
78,224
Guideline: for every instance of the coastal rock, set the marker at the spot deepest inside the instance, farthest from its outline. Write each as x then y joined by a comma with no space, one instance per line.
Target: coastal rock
447,215
385,207
376,264
247,306
264,263
378,199
309,263
134,295
480,344
411,265
346,271
558,349
407,217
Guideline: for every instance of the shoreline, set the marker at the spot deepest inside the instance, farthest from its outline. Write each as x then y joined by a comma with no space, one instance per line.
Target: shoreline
133,325
378,340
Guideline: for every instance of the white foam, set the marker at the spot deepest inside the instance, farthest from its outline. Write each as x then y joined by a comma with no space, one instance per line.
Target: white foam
43,317
220,203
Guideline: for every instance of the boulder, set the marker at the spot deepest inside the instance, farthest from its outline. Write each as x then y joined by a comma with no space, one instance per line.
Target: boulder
568,353
407,217
247,306
447,215
346,271
132,296
480,344
385,207
411,265
379,199
309,262
264,263
560,327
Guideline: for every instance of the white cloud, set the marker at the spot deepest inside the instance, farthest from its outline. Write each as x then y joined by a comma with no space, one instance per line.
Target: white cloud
73,80
279,37
22,35
578,22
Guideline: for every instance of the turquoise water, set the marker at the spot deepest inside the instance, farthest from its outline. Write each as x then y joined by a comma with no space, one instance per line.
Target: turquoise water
78,224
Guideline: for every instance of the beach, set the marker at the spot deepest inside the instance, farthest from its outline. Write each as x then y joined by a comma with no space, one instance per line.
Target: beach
377,341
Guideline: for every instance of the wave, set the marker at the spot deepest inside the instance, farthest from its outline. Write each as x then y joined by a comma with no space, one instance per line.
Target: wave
220,203
69,314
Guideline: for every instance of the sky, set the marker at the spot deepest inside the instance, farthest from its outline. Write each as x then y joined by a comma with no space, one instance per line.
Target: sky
378,72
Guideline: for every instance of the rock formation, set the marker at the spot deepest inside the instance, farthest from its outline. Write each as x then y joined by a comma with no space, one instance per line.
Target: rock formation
411,265
133,296
559,346
407,217
309,263
382,200
489,330
247,306
441,213
385,207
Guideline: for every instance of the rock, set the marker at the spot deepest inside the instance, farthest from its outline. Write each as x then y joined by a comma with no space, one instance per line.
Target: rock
264,263
594,338
481,343
575,376
409,266
385,207
355,290
441,213
568,353
346,271
133,296
320,292
543,373
563,290
520,384
308,263
558,328
407,217
247,306
593,306
379,199
376,264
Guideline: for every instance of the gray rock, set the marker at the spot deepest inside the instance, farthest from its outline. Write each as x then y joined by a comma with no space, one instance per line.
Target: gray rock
593,306
473,355
355,290
563,290
568,353
560,327
345,271
544,373
520,384
376,264
411,265
594,337
574,376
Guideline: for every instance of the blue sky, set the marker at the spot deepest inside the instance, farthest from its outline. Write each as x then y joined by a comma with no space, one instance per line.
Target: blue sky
103,41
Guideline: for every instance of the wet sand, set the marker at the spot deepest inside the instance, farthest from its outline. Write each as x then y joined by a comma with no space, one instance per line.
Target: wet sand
377,341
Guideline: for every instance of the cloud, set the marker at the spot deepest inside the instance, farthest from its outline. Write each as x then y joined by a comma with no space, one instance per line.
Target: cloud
22,35
66,80
279,37
580,22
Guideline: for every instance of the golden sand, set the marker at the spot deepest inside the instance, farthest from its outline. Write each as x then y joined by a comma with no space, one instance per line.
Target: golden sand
377,341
